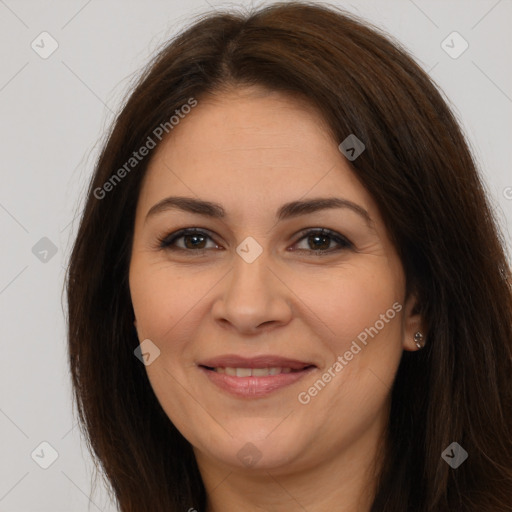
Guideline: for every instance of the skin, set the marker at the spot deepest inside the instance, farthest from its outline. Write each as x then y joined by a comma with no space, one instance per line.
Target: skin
252,151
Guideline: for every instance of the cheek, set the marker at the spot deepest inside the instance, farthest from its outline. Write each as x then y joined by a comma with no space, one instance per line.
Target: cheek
353,300
163,302
361,308
161,298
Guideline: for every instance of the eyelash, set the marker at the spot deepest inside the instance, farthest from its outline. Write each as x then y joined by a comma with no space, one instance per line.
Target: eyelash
167,241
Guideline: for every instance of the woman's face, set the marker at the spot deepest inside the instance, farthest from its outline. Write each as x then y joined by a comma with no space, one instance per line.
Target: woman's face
304,329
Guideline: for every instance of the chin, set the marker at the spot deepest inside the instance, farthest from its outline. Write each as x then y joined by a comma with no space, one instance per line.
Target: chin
254,450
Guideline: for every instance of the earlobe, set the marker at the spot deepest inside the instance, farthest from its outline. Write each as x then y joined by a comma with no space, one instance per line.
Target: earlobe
419,339
414,328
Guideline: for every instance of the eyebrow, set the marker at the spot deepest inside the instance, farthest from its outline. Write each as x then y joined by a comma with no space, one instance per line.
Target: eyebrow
287,211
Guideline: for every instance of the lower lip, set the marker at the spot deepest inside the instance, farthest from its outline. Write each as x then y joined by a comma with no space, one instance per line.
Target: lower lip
254,387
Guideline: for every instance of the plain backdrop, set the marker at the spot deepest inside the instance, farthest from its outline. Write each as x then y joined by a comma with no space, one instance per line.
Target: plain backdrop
54,113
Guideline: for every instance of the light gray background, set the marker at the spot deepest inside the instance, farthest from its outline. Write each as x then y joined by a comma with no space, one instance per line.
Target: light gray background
55,111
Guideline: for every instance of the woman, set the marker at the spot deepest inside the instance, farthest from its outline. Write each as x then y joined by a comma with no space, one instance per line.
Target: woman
288,291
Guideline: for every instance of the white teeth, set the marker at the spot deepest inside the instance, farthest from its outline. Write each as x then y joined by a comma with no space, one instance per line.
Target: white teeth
252,372
259,372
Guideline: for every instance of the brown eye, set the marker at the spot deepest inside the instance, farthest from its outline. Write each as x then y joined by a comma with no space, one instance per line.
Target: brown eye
320,240
193,240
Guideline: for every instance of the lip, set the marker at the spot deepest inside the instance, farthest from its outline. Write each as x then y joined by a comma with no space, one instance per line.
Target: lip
254,387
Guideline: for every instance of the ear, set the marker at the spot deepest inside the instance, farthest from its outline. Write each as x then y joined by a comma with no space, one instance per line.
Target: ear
134,317
413,322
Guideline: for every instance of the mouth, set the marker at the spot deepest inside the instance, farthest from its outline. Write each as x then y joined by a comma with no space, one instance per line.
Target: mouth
253,372
254,377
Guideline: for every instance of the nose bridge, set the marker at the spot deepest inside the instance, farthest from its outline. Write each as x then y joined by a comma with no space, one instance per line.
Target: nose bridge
250,282
252,294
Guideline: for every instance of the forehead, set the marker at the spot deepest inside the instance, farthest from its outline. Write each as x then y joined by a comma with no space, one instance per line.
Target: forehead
257,146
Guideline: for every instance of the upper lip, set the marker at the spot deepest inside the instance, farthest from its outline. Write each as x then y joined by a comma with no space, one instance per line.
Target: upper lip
263,361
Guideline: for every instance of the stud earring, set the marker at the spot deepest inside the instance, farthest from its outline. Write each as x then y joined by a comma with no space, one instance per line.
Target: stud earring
418,339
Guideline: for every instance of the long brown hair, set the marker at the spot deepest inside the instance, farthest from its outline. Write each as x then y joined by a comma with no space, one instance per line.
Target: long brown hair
419,170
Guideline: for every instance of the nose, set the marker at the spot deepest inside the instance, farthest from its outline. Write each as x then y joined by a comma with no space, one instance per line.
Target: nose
252,298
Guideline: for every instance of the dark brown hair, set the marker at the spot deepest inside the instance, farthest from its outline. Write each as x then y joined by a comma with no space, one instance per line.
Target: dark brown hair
419,170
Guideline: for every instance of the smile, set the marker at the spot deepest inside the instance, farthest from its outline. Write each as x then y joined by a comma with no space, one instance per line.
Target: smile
256,377
252,372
